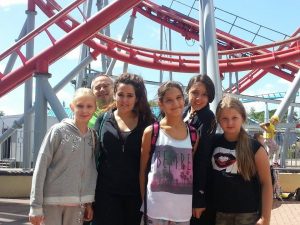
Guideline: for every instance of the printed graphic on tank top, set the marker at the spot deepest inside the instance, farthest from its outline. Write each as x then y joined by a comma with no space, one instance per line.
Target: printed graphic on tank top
170,180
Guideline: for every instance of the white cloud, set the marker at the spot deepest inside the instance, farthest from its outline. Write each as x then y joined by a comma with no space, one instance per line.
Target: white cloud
8,3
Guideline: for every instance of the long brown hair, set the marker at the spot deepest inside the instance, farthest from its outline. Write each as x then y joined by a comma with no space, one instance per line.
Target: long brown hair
142,107
244,153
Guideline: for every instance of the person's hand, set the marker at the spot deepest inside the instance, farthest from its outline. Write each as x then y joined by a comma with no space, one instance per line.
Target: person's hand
261,221
36,220
88,213
197,212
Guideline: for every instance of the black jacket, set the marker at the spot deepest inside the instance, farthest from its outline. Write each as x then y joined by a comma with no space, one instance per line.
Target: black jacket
205,123
119,161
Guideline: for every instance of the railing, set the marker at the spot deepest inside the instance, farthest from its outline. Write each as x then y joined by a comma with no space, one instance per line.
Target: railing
11,156
8,163
233,24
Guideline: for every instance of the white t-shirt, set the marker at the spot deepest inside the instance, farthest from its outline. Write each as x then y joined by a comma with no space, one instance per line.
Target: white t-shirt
170,180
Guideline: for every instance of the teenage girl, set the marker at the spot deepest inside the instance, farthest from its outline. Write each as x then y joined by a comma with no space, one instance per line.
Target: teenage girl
201,92
118,198
64,178
241,172
170,179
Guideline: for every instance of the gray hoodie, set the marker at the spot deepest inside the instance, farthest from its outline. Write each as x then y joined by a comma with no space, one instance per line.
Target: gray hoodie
65,171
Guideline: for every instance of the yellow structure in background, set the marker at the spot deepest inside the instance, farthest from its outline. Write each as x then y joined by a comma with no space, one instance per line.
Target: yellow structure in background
289,182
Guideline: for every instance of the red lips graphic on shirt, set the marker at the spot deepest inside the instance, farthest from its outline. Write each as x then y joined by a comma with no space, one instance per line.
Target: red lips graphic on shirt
224,160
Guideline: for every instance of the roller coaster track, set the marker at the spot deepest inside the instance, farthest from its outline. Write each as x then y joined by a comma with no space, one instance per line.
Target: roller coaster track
239,55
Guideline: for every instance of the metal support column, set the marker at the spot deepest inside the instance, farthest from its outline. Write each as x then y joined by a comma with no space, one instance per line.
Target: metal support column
129,28
288,98
12,59
237,82
211,50
106,31
54,102
161,47
129,38
203,69
286,138
40,118
267,116
27,136
84,51
170,49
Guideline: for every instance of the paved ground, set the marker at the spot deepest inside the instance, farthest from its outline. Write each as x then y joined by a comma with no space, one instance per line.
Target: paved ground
14,212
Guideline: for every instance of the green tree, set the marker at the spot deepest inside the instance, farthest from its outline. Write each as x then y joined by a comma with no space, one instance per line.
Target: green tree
260,116
170,157
257,116
153,103
1,113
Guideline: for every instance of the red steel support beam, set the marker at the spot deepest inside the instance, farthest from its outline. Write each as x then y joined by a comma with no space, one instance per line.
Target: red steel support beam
77,36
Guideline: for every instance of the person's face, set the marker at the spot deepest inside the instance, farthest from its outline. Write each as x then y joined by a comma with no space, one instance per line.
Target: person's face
231,122
274,122
125,98
103,90
83,108
172,103
198,98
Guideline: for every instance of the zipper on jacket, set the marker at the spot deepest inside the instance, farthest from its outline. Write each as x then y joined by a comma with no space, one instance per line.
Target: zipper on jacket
82,172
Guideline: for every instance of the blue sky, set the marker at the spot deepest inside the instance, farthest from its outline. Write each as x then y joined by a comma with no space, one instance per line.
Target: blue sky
279,15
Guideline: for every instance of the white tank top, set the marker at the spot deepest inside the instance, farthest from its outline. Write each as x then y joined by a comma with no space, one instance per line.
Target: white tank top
170,180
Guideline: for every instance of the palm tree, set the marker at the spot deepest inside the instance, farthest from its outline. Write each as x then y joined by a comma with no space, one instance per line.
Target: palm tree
170,156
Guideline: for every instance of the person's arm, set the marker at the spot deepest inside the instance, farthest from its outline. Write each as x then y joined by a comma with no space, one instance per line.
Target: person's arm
145,157
202,161
197,211
49,145
263,170
264,126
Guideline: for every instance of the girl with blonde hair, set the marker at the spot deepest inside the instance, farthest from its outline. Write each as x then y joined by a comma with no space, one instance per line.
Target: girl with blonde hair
242,186
64,178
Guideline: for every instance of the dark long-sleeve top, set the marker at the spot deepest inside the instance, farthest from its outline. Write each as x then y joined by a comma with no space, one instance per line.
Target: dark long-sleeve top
119,161
205,123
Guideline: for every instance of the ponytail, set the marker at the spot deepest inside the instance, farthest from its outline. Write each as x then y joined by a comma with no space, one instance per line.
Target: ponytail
245,156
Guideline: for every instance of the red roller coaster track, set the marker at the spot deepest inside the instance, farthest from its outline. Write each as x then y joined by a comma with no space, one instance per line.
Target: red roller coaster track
281,61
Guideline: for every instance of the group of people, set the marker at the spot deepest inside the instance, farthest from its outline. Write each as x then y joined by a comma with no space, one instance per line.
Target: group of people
115,163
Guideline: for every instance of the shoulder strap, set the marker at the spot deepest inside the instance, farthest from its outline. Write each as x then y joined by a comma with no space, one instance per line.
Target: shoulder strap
193,134
154,136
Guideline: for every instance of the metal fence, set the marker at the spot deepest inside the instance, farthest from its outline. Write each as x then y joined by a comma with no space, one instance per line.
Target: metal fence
11,151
